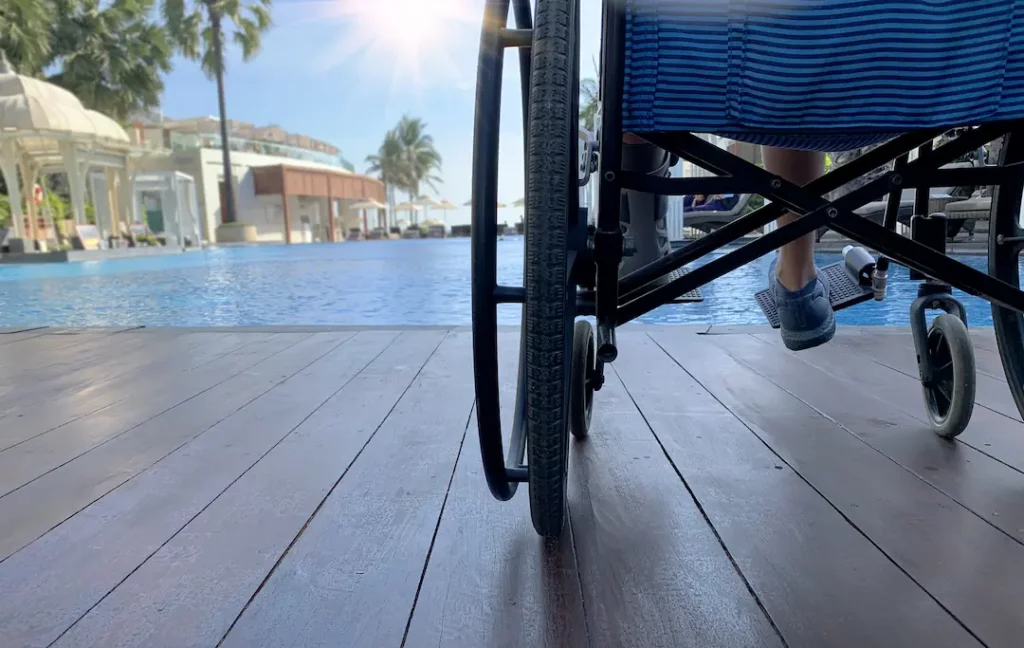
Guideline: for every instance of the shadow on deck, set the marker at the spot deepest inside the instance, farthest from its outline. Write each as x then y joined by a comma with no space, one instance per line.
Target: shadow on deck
318,487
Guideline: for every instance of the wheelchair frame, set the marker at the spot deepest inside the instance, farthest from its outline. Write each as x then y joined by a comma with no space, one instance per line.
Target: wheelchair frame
595,254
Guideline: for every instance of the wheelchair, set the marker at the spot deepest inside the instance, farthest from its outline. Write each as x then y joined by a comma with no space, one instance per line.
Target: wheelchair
580,265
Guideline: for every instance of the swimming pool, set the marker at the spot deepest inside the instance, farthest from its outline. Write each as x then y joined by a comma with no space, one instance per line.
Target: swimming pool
423,282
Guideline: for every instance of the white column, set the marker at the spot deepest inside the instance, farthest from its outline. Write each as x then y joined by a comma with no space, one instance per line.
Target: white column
28,176
9,168
169,200
76,180
114,218
126,195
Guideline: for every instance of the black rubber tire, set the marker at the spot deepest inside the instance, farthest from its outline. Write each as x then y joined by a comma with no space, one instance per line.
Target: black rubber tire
581,391
949,400
548,312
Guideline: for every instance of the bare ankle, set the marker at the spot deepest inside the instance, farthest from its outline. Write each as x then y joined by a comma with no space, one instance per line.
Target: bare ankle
795,276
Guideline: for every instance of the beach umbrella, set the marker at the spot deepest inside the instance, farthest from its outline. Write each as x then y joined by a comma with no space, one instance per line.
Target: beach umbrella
410,207
365,205
427,202
446,206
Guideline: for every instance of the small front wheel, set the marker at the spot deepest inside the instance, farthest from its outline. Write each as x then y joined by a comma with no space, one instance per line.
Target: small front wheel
949,395
581,389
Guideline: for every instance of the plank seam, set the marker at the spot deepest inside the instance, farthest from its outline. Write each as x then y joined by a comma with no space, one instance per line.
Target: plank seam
856,436
158,460
437,528
976,403
579,576
216,356
912,415
700,507
822,495
217,496
330,492
119,434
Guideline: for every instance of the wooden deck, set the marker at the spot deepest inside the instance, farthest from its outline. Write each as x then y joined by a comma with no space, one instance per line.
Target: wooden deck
323,488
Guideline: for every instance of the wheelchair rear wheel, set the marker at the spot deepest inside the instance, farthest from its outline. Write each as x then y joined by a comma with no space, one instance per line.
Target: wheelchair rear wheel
550,300
1006,242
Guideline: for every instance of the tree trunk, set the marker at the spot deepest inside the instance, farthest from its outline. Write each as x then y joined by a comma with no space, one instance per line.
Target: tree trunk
229,186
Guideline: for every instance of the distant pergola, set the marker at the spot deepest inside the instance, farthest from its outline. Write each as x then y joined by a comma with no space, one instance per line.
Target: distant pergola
45,129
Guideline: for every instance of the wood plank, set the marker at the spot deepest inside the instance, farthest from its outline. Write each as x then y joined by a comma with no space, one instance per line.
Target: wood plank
359,583
223,384
11,337
53,497
48,351
185,352
991,433
55,404
897,353
984,338
233,544
491,581
137,351
913,523
652,570
101,546
789,542
969,477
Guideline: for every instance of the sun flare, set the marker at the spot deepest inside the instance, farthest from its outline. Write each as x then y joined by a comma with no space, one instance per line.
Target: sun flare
407,42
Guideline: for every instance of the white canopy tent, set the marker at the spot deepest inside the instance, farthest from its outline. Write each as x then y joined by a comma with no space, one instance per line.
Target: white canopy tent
44,128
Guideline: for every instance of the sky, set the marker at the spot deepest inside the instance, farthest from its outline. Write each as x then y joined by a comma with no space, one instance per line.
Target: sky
345,71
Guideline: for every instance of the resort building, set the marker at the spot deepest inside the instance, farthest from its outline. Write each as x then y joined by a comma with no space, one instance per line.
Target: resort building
291,188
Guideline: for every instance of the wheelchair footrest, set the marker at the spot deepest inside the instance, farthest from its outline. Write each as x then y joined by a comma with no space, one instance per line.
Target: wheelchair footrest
844,291
694,295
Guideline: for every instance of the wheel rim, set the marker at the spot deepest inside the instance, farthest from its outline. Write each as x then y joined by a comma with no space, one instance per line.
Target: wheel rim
940,389
588,389
1004,252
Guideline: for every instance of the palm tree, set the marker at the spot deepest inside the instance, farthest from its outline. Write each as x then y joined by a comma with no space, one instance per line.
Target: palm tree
197,28
110,57
590,100
387,164
419,157
24,33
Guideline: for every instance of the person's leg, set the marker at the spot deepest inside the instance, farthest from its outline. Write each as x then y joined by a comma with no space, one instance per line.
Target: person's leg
800,293
796,260
644,216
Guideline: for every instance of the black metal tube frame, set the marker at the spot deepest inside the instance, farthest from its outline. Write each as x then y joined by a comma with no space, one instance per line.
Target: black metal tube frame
621,301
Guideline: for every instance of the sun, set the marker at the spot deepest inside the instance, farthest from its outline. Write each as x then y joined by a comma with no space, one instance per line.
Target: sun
407,42
407,25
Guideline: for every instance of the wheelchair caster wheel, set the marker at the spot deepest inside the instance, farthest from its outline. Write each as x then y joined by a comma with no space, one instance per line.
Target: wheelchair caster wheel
949,395
582,375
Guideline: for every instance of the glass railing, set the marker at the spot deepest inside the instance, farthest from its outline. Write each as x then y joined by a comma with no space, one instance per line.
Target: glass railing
188,141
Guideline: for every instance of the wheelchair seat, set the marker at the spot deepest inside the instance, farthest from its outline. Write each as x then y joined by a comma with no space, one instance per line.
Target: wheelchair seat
825,75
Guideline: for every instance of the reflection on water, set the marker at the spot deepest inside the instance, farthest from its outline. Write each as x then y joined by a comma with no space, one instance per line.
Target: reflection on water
423,282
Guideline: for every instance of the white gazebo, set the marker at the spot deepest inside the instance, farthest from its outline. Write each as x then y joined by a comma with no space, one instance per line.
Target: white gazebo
44,128
178,203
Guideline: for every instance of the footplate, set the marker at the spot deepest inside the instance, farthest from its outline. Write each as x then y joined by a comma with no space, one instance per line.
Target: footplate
845,290
694,295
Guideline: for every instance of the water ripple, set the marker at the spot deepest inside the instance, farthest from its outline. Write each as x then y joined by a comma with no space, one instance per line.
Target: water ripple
372,283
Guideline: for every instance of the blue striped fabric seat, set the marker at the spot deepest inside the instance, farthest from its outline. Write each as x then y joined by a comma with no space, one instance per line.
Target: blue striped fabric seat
827,75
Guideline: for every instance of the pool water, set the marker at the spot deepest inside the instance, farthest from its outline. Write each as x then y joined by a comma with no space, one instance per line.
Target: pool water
425,282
